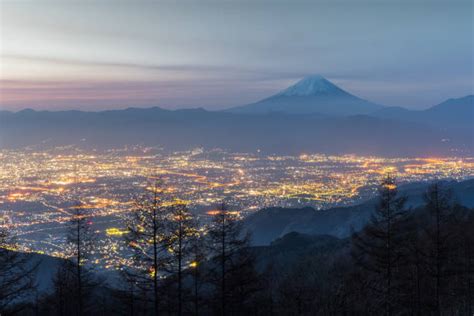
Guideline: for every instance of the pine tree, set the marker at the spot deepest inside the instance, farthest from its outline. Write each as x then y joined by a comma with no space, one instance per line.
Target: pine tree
439,205
466,238
412,273
378,247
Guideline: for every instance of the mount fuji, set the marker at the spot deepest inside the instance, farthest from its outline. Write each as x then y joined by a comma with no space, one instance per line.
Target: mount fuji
313,94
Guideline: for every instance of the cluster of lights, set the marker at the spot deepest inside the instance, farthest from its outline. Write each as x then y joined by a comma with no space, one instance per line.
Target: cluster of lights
39,189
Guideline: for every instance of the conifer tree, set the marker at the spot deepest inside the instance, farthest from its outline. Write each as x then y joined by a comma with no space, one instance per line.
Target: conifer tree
378,248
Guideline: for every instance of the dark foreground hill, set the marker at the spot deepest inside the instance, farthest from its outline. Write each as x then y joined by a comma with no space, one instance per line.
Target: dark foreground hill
269,224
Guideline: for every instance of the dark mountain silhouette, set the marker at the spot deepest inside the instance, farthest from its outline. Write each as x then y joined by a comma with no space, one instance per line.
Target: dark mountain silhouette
270,133
313,94
289,250
454,113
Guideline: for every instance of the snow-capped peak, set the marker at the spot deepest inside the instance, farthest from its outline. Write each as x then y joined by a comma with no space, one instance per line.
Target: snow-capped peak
312,85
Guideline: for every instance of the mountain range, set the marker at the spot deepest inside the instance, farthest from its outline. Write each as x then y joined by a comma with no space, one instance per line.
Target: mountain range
450,113
317,95
314,115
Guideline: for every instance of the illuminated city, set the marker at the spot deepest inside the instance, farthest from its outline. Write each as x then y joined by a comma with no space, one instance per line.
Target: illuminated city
236,158
39,187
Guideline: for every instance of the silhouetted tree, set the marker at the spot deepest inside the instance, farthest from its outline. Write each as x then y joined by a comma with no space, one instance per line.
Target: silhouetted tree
465,230
17,273
181,231
147,240
63,297
378,248
80,246
438,204
270,278
298,289
234,275
413,273
401,263
198,257
128,297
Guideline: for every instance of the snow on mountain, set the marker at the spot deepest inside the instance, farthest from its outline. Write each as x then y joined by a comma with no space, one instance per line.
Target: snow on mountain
313,94
310,86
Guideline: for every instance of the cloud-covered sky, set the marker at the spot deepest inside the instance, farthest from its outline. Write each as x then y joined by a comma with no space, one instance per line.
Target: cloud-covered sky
94,55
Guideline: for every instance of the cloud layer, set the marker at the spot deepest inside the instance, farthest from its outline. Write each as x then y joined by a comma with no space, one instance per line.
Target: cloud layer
105,54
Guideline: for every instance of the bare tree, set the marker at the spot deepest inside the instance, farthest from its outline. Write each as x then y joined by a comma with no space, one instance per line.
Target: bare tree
235,276
378,248
17,273
80,240
62,297
147,240
181,230
198,255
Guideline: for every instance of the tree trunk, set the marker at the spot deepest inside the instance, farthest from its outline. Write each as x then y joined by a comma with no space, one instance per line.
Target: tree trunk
196,299
180,249
79,271
223,265
155,255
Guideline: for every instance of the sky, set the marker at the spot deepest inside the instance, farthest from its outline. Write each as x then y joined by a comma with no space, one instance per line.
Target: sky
95,55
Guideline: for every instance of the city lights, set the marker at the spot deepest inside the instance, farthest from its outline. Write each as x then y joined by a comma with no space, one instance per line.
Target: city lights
39,189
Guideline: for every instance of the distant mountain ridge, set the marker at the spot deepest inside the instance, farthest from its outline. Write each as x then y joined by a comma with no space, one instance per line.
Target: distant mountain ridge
314,115
317,95
456,112
313,94
275,133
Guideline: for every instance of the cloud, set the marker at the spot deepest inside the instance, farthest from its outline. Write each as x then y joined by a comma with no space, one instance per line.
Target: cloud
218,54
87,95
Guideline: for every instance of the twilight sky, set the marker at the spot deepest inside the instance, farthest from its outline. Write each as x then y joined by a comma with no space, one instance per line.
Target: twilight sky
94,55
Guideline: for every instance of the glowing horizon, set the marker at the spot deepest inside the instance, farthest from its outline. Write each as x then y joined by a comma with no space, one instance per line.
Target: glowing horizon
107,54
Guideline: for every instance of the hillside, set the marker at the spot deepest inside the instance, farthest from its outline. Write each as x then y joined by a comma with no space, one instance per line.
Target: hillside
271,223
